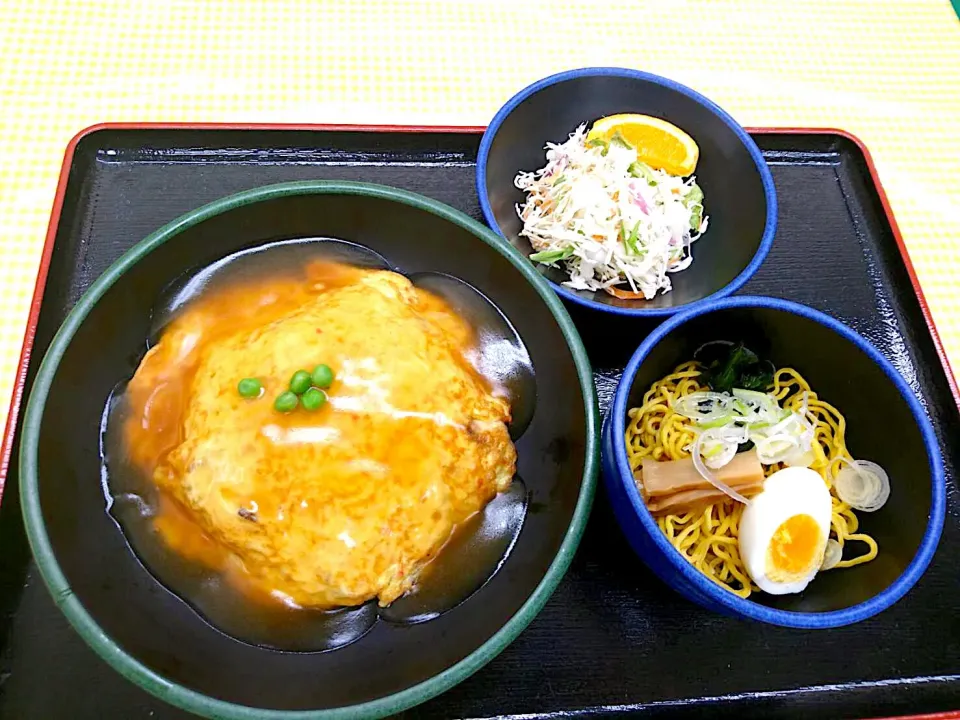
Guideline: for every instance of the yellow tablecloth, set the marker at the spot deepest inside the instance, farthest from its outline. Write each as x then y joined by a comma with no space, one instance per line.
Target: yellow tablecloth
886,70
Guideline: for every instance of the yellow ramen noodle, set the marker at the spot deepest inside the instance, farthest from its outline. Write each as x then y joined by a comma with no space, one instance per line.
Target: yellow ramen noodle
709,538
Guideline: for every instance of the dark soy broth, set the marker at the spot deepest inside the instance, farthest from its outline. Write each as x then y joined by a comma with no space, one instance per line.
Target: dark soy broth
500,356
477,548
284,258
471,557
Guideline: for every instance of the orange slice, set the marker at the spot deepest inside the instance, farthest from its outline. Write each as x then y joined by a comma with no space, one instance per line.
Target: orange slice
659,144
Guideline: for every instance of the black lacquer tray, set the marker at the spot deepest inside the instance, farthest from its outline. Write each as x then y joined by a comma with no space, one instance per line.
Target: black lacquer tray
613,639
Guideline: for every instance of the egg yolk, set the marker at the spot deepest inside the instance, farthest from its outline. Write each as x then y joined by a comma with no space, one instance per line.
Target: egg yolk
793,548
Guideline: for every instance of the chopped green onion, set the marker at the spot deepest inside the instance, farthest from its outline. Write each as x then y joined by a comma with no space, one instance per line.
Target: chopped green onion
560,178
712,452
754,395
719,422
620,141
630,243
694,196
705,472
548,257
696,218
642,170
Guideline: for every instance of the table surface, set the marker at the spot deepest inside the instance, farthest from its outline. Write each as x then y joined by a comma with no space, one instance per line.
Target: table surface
885,70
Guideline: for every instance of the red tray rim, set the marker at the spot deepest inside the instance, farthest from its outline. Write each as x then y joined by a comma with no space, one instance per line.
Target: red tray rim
53,225
40,285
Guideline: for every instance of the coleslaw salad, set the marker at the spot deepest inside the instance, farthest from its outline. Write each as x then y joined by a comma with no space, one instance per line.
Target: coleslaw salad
609,219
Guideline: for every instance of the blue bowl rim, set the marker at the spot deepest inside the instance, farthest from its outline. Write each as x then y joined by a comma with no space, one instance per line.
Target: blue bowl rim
748,608
769,192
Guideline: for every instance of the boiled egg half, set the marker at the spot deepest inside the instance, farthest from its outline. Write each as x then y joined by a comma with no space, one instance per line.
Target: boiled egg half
784,530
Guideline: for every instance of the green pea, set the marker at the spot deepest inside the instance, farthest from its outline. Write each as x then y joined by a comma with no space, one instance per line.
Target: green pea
313,399
322,376
300,382
249,388
286,402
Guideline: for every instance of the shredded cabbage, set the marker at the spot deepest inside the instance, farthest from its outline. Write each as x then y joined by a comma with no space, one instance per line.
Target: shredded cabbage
608,218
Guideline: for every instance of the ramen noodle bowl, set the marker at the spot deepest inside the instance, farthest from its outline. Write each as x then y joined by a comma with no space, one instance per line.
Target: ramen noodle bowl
708,534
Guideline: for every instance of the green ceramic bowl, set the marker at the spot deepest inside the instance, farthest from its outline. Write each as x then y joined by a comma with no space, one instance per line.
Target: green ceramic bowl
153,637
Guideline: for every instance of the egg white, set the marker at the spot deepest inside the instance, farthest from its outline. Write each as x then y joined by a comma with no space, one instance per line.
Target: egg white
791,491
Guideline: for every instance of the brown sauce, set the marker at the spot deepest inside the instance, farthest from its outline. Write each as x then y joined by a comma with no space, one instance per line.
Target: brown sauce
251,290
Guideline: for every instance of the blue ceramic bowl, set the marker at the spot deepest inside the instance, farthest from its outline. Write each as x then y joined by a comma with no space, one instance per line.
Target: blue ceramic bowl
739,196
885,424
